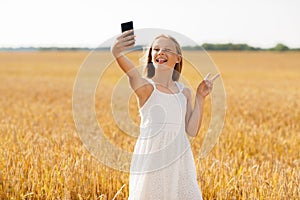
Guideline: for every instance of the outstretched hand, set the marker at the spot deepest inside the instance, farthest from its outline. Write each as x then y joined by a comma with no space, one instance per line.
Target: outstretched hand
125,41
205,87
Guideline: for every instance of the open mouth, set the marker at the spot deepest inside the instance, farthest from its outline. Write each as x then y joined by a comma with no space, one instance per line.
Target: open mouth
161,60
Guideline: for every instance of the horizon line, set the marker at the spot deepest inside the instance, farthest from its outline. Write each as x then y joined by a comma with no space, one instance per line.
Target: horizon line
138,45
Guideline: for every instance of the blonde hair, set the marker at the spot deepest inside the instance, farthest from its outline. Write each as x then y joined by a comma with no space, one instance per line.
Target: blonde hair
149,67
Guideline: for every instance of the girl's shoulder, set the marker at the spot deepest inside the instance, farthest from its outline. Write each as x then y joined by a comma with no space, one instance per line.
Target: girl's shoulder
180,85
185,90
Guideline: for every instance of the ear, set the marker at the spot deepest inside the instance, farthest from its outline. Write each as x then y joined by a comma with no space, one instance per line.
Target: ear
178,59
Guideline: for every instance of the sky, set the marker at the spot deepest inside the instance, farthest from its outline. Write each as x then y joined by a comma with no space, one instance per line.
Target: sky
88,23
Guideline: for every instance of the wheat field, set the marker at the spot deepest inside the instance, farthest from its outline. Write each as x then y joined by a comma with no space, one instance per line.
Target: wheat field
42,157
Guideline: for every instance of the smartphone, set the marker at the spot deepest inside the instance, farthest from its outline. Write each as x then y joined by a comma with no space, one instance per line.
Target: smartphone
127,26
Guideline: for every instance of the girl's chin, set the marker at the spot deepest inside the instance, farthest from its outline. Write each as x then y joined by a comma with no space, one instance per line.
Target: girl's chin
161,66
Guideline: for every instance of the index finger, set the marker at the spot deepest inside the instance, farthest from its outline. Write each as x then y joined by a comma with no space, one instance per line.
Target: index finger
207,76
215,77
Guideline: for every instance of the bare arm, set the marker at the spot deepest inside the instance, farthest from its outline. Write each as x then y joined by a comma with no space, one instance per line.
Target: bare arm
137,82
194,116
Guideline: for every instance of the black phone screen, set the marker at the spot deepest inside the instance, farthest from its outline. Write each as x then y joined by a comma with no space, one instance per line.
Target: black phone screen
127,26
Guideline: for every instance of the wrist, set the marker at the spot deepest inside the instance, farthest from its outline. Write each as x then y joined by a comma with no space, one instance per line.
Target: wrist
117,54
200,97
199,100
114,51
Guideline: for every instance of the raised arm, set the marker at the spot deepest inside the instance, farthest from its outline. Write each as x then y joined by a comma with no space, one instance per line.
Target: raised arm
122,43
194,116
140,86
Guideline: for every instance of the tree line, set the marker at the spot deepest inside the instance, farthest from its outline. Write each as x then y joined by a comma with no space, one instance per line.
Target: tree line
238,47
206,46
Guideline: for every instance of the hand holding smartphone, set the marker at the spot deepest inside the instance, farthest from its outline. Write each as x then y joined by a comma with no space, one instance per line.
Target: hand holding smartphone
125,41
126,26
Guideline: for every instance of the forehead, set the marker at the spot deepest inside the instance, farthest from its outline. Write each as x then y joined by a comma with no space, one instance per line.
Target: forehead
164,42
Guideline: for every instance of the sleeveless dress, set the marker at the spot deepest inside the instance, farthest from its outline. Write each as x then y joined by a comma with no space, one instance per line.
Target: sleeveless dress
162,165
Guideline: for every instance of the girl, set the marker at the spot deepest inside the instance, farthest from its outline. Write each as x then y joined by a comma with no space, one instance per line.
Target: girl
163,166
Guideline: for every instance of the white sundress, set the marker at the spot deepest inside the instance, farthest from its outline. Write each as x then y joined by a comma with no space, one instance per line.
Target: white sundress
163,166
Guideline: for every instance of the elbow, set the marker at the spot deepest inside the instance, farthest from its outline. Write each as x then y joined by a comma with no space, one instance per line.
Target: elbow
191,132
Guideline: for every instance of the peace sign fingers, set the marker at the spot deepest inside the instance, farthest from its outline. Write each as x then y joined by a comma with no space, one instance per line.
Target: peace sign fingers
205,87
213,78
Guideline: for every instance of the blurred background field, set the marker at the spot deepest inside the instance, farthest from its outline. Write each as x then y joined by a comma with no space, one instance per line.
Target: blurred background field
257,155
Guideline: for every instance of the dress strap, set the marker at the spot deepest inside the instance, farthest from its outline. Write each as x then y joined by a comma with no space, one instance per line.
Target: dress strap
152,83
179,85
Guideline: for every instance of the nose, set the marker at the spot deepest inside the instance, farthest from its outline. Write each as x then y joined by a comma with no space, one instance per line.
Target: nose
161,51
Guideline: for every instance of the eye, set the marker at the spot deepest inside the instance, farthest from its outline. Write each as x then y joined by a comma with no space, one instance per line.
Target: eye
156,49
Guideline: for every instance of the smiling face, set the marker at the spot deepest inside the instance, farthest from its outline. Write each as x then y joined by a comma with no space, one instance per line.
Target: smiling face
164,53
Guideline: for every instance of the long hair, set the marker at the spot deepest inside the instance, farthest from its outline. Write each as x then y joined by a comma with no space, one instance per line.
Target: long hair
149,67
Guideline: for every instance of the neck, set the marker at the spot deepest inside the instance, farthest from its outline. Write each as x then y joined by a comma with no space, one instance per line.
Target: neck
163,77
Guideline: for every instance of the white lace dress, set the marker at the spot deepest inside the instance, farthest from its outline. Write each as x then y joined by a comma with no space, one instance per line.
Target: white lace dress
162,166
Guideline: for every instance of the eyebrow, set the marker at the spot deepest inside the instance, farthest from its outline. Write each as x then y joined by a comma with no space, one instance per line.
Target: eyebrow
164,47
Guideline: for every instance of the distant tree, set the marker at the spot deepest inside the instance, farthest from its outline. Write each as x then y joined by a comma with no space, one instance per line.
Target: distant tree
228,46
280,47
